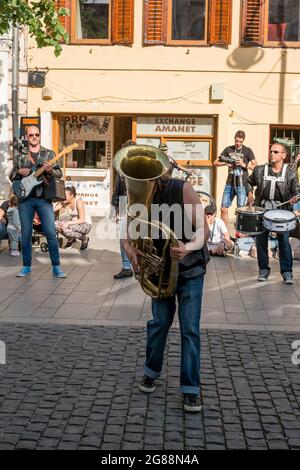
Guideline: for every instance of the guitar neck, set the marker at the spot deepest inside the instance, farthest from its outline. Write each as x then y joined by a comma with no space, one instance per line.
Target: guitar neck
51,162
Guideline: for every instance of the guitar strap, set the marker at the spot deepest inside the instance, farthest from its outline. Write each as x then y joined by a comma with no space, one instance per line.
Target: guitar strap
274,179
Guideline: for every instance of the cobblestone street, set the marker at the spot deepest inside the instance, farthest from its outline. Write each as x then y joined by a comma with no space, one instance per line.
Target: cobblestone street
71,387
75,351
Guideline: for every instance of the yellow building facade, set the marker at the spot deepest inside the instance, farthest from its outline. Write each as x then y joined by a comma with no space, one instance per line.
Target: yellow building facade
188,78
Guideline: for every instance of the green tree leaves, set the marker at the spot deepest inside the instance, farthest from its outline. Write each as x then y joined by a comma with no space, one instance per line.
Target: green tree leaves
41,18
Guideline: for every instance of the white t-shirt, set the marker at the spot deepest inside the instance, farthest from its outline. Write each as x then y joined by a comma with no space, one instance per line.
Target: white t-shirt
217,231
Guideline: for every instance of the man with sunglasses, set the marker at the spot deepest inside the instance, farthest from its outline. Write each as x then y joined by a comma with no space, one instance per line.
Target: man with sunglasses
275,183
35,202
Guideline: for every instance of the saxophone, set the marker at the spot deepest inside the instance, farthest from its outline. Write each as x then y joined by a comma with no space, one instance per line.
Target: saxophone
141,166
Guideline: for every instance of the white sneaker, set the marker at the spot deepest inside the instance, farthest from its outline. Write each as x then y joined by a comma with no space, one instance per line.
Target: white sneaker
14,253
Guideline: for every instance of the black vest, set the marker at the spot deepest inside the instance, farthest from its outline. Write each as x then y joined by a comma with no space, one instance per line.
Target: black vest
170,192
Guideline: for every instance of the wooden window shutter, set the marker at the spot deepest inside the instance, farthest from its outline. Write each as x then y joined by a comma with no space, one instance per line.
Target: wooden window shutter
64,20
155,21
220,21
122,22
253,22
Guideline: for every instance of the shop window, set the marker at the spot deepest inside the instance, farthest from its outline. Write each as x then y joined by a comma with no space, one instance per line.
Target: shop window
93,156
93,135
98,21
154,141
271,23
189,151
185,22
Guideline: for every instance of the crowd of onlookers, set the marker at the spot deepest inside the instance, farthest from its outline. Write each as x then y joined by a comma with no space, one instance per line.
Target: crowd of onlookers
73,222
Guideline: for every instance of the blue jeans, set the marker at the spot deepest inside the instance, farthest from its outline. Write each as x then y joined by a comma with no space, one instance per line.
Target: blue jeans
45,212
123,232
14,239
189,295
3,232
285,252
126,264
229,194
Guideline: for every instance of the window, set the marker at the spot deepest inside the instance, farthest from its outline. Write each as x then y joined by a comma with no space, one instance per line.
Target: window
271,23
283,21
93,156
187,22
99,21
92,19
93,135
189,151
289,136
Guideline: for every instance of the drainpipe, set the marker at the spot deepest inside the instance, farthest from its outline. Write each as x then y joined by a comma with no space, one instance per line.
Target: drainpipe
15,88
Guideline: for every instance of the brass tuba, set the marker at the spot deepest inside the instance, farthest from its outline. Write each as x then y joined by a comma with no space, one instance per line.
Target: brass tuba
141,166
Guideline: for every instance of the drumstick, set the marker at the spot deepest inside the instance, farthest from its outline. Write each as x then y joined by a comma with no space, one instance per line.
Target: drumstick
283,203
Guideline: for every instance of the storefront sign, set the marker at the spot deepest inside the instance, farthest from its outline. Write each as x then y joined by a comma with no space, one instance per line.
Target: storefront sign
95,194
166,125
27,121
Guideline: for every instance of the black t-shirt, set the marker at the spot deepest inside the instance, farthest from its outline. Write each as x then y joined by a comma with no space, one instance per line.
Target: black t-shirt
35,155
238,175
4,206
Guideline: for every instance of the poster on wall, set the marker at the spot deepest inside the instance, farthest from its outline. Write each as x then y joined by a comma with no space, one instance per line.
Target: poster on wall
83,127
189,150
95,194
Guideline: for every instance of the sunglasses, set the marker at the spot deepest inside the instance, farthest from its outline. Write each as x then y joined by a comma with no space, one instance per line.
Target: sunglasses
275,151
33,135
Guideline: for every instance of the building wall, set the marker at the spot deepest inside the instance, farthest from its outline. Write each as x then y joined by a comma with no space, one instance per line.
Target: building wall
261,85
6,137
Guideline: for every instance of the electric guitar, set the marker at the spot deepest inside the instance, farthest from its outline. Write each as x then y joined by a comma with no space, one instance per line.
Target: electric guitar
22,188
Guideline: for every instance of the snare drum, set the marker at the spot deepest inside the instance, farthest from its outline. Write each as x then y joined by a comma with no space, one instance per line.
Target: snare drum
249,219
279,221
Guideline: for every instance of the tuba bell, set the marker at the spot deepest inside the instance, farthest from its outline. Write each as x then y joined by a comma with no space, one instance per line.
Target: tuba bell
141,166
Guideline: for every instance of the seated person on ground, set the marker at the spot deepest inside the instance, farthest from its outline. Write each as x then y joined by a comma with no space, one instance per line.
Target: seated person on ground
219,241
3,222
76,222
13,226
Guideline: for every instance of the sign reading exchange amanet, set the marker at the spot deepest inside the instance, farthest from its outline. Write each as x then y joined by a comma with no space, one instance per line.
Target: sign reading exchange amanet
168,125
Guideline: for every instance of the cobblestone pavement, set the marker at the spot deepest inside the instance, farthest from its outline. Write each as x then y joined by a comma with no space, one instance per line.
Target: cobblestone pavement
75,387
